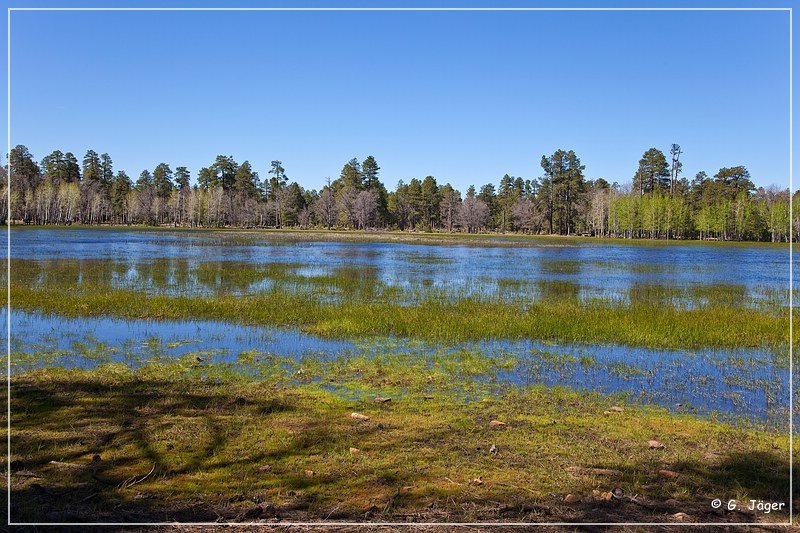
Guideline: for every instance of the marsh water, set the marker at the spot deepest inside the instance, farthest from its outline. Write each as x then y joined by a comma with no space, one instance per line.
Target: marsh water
749,272
747,385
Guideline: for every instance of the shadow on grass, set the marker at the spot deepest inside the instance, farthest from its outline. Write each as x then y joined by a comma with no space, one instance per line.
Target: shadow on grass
77,445
82,451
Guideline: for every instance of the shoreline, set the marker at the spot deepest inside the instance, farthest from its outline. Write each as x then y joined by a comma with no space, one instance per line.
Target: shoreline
414,237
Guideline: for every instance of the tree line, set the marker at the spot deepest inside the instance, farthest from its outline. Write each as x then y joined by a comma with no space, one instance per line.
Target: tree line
656,203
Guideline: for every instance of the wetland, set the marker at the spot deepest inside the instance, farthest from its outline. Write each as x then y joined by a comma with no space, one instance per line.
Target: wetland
230,362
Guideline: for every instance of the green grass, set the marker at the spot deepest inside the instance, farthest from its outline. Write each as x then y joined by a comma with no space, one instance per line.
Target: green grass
351,301
221,445
563,320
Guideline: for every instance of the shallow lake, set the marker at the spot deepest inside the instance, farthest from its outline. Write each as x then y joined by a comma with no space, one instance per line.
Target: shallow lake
751,273
746,386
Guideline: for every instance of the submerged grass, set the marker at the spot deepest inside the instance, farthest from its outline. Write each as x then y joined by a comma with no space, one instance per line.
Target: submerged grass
366,282
222,445
561,319
351,300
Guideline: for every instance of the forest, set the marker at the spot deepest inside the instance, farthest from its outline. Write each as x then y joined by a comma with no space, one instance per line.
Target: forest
657,202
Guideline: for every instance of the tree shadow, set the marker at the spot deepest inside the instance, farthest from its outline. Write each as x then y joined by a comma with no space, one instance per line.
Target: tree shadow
69,447
759,475
72,421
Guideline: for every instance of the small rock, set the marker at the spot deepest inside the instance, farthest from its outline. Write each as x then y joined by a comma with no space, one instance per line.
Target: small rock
668,473
265,468
606,413
681,517
571,498
672,502
478,480
359,416
493,449
654,445
496,424
381,399
616,409
310,473
354,450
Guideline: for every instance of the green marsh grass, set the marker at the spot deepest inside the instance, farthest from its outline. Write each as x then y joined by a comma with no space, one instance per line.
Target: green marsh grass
561,319
351,301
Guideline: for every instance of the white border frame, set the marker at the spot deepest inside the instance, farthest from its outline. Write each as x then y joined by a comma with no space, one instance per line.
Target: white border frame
369,524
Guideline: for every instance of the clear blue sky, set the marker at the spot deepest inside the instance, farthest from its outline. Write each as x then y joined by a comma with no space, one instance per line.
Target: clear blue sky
463,96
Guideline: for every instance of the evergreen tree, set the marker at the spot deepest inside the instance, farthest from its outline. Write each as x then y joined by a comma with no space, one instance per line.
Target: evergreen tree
278,180
246,181
488,196
182,177
120,189
225,167
351,176
429,202
106,171
72,169
370,171
507,194
162,181
54,166
92,169
734,180
145,180
653,172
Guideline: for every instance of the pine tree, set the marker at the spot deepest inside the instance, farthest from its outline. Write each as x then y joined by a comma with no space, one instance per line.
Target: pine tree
162,180
653,172
120,188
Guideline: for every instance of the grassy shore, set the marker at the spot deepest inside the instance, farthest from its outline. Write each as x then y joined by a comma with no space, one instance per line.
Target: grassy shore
410,237
191,441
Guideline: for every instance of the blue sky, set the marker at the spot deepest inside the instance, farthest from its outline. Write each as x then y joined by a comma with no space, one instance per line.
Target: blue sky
463,96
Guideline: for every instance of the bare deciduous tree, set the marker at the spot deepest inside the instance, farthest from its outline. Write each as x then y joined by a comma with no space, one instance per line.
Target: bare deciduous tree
526,215
364,208
472,214
325,208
